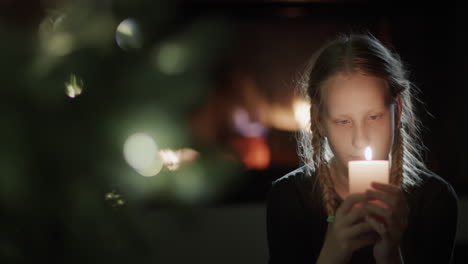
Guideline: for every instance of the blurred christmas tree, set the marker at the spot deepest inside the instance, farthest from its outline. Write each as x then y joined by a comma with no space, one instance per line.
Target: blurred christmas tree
95,100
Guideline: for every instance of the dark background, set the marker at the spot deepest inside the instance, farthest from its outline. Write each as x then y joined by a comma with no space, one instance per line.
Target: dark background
61,157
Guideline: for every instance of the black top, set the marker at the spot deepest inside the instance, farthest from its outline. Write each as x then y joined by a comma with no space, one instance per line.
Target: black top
296,221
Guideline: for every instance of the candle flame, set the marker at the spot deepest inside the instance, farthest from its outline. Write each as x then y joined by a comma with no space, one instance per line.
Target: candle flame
368,153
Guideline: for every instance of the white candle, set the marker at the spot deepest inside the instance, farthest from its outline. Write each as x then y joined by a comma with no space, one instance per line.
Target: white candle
362,172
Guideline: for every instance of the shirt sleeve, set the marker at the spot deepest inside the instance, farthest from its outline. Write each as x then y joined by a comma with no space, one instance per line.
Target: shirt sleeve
437,224
288,241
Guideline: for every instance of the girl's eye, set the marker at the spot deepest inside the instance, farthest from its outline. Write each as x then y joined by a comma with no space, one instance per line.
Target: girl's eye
375,117
343,122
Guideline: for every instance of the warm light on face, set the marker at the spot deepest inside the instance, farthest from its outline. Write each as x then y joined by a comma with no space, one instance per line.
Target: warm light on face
357,117
368,153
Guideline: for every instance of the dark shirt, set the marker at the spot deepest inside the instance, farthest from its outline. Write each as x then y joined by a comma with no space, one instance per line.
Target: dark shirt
296,221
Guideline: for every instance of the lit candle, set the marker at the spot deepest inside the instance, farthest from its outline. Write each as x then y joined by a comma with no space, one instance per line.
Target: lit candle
362,172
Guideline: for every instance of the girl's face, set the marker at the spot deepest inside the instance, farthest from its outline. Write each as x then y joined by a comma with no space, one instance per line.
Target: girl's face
358,114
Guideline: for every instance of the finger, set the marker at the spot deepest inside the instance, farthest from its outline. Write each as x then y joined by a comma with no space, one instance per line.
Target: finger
379,211
349,202
389,188
379,227
370,235
360,235
360,243
388,199
358,229
354,216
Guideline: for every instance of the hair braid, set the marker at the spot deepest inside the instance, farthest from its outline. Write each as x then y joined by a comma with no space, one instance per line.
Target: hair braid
320,163
396,176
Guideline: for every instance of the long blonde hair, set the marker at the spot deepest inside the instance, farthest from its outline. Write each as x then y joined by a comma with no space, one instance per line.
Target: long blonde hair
364,54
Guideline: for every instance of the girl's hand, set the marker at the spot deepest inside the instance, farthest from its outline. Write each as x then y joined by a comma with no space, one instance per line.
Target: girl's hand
344,235
388,215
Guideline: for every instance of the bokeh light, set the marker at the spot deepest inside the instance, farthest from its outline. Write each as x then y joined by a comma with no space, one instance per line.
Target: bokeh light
254,152
302,113
153,169
141,153
245,126
172,159
59,44
55,40
281,117
74,86
128,35
171,58
190,185
114,198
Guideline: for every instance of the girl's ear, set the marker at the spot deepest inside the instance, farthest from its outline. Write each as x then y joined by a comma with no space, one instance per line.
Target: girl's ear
398,110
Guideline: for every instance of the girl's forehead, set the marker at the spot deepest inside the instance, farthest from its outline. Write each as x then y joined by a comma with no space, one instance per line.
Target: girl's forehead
354,93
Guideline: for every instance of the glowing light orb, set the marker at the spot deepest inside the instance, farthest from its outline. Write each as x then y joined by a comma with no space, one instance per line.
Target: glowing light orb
128,35
141,153
171,58
74,86
302,113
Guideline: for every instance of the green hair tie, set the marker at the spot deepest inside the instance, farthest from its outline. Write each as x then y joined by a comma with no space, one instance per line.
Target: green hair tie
331,219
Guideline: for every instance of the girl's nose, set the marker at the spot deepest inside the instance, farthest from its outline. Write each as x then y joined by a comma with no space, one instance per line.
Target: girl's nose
360,137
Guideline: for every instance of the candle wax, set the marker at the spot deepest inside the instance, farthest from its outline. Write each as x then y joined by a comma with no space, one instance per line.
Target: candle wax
362,172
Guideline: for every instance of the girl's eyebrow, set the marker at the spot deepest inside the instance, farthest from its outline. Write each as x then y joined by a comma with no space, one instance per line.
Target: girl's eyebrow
339,116
377,110
380,110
